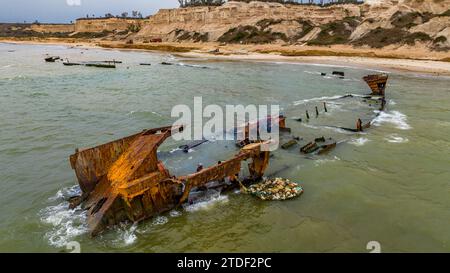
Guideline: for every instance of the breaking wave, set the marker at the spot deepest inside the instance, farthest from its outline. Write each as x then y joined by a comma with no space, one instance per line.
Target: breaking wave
194,66
66,224
300,102
393,117
312,72
175,213
359,141
143,113
392,102
207,203
126,235
396,139
174,150
320,162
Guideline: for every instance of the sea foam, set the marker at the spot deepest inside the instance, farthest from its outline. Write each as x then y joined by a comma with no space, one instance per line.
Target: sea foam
394,138
359,141
396,118
304,101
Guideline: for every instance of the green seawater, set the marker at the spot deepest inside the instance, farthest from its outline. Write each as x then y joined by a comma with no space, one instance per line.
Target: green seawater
390,184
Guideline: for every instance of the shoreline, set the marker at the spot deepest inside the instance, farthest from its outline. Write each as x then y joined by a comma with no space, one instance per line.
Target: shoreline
430,67
249,53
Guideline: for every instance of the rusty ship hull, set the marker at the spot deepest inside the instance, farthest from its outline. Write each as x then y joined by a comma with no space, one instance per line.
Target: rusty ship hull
123,180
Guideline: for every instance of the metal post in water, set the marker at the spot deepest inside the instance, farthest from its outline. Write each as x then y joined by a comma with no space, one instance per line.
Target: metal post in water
317,111
307,114
359,125
325,107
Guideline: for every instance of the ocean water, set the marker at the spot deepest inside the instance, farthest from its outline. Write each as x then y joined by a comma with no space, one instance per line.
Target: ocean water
390,184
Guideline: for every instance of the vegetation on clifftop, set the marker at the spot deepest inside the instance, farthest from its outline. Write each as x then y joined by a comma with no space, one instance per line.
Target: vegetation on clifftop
251,35
337,32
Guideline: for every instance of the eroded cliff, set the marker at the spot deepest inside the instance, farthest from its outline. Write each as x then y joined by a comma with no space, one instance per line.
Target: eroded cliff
374,24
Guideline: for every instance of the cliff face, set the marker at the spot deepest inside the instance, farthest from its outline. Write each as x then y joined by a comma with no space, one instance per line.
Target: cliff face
218,20
377,23
105,24
52,28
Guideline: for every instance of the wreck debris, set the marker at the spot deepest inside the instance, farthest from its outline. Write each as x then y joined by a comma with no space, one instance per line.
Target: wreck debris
309,148
307,114
320,139
188,147
124,181
289,144
278,121
325,107
101,65
377,83
52,59
359,125
339,73
67,63
113,61
325,148
317,111
383,104
75,201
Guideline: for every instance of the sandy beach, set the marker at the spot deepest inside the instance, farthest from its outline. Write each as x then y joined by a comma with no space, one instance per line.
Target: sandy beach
419,61
385,64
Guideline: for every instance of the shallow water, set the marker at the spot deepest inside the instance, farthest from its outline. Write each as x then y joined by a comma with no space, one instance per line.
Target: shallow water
389,184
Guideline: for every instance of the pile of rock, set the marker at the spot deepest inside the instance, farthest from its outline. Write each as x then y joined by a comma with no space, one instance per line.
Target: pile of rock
275,190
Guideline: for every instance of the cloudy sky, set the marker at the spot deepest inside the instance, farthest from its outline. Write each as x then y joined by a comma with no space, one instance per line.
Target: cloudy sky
60,11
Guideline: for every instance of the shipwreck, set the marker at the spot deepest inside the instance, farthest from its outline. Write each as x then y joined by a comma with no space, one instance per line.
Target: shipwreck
124,181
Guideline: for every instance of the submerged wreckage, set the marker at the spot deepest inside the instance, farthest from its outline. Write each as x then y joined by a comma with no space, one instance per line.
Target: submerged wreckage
124,181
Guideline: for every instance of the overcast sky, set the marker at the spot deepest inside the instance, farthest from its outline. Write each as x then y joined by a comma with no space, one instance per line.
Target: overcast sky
64,11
